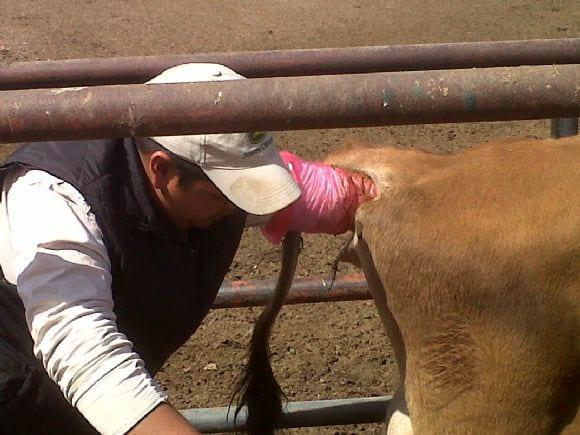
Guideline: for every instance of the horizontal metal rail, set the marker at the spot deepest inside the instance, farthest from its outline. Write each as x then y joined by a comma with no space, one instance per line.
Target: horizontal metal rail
291,103
124,70
237,294
296,414
563,127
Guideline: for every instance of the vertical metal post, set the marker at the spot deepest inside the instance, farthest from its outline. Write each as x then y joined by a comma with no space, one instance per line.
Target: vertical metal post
563,127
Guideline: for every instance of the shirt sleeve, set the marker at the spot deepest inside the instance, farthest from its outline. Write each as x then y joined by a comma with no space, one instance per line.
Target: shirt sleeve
63,277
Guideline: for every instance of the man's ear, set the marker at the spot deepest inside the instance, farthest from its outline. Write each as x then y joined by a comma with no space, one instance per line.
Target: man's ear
161,169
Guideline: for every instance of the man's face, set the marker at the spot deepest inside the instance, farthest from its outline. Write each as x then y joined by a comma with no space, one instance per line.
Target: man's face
197,204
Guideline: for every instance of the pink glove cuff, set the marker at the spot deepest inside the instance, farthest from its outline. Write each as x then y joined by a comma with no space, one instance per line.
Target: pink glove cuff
330,198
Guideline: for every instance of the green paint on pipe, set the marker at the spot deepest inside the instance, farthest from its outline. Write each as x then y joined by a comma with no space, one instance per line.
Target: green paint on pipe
388,96
418,90
470,101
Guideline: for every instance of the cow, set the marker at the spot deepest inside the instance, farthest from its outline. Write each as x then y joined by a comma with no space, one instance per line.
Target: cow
473,261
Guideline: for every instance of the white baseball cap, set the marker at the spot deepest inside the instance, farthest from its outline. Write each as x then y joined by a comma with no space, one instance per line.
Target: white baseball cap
245,167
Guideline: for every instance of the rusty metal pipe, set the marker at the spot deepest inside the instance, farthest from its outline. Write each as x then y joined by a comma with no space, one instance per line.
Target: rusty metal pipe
237,294
291,103
124,70
563,127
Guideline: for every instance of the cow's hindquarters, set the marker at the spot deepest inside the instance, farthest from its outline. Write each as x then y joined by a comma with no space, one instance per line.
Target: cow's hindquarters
397,418
479,260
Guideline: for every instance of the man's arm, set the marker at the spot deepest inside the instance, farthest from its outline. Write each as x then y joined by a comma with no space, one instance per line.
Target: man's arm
328,204
258,221
164,419
63,277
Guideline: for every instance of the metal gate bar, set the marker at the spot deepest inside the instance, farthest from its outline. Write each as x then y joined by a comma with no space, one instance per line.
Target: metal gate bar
563,127
291,103
124,70
296,414
238,294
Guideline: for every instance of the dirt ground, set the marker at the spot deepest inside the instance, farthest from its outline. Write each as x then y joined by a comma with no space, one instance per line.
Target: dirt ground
321,351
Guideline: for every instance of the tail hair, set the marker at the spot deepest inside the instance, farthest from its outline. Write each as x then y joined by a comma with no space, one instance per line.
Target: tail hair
257,388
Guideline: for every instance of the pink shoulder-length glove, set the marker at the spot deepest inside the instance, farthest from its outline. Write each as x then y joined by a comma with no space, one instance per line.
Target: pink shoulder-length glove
330,198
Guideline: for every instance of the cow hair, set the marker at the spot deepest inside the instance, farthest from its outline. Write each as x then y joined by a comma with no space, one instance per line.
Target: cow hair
257,388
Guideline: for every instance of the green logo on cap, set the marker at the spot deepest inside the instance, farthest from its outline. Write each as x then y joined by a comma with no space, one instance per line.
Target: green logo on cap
257,136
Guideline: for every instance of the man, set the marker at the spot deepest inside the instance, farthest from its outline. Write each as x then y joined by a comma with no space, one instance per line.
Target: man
113,252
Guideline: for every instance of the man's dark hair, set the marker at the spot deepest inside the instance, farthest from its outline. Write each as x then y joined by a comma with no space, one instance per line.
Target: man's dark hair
187,172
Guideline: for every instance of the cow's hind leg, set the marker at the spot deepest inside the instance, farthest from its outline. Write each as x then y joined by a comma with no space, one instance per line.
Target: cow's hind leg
398,420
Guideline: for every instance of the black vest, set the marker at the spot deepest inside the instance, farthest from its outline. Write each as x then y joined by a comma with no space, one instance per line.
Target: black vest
164,281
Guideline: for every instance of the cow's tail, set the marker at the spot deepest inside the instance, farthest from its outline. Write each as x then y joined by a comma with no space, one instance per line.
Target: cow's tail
257,387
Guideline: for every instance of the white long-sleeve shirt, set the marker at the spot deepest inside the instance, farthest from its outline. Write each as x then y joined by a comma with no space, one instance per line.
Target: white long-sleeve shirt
52,248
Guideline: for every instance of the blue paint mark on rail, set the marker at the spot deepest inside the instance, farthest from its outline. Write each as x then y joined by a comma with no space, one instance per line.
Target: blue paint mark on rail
470,101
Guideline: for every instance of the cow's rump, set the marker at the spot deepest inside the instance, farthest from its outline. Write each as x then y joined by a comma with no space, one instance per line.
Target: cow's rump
479,255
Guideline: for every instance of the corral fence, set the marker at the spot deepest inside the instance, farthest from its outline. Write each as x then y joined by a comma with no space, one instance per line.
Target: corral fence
288,90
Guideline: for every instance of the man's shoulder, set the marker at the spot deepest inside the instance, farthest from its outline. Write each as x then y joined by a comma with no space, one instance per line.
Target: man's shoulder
21,182
47,152
24,176
78,162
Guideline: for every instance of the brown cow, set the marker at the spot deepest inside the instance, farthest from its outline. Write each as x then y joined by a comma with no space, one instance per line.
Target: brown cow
477,280
474,264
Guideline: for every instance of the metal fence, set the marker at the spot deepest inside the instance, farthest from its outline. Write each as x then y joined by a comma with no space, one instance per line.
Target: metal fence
284,63
291,103
296,414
